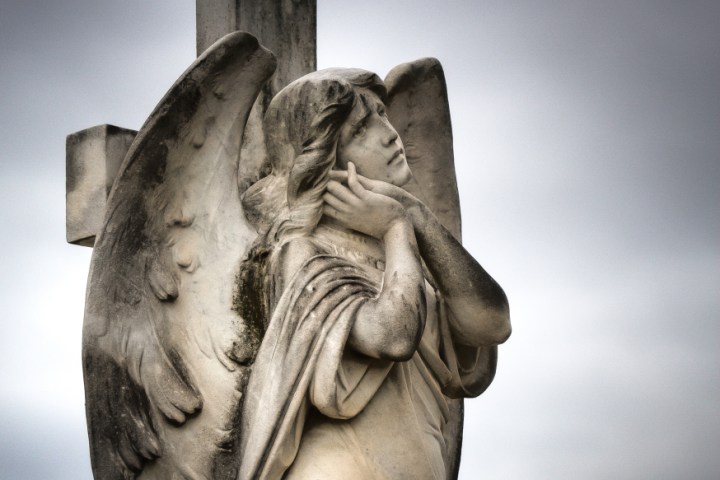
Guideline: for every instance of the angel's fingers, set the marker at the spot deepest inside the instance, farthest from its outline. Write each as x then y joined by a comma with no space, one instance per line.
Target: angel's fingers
353,181
341,191
334,213
368,184
335,202
339,175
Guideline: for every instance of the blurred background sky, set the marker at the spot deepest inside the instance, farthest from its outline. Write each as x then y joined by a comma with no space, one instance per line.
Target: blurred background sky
587,141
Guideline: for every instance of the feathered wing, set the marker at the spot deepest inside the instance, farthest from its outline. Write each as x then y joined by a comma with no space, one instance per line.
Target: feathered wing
165,354
418,108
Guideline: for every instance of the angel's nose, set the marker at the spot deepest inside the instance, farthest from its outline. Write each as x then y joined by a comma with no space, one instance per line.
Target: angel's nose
390,136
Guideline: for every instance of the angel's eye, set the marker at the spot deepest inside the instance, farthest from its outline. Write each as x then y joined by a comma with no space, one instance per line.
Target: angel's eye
381,110
360,129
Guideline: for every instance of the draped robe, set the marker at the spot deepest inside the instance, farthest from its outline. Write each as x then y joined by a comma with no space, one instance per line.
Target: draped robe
314,408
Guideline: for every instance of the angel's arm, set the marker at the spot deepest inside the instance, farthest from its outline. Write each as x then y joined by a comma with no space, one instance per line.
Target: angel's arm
389,326
479,305
481,315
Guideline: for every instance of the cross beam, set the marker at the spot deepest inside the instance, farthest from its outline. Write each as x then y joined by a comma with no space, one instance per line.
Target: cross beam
286,27
93,156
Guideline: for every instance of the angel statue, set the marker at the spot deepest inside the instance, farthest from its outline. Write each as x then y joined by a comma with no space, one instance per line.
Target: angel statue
324,323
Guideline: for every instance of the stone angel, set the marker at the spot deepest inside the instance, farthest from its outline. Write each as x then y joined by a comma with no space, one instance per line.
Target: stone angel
325,322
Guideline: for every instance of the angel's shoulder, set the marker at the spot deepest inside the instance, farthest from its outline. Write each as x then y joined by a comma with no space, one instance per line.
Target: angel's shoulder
293,254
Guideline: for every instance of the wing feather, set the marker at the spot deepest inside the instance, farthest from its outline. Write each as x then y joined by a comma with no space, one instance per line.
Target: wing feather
418,108
162,278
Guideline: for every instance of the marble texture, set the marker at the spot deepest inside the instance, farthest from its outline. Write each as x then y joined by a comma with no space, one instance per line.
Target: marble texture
93,157
287,28
305,310
165,356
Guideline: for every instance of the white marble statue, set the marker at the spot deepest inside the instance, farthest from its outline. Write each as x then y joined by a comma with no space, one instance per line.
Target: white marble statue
322,323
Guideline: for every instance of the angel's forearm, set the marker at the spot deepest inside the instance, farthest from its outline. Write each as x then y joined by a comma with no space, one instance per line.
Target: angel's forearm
479,305
390,326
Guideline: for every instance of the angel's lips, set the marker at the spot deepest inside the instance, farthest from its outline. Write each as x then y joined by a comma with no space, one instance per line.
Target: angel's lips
398,154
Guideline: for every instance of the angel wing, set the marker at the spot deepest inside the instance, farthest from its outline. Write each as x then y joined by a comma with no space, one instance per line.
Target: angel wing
418,108
165,354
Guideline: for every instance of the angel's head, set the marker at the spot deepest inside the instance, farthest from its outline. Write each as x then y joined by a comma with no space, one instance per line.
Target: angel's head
320,122
368,140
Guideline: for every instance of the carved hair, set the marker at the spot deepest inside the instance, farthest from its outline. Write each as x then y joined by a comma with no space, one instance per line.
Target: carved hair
302,126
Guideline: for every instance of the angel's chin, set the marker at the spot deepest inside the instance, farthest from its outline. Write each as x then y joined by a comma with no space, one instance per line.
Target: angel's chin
402,177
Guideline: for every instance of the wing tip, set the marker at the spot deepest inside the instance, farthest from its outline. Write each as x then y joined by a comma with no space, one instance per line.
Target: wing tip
406,74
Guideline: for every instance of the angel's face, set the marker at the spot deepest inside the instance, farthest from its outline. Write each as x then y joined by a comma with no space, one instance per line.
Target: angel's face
369,141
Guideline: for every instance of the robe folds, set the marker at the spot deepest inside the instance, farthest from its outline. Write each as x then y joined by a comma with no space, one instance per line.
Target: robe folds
309,396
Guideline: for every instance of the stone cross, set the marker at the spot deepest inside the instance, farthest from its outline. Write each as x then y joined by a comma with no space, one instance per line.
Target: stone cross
93,156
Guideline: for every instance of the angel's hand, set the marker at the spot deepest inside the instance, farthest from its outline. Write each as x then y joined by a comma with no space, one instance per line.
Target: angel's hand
418,213
377,186
358,208
412,204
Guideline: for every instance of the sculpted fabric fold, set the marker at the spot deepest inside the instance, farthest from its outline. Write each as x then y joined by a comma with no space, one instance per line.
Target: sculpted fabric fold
316,308
304,363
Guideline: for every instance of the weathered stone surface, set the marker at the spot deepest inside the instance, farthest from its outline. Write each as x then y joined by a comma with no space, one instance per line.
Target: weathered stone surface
165,355
287,28
380,399
288,299
418,107
244,336
213,20
93,157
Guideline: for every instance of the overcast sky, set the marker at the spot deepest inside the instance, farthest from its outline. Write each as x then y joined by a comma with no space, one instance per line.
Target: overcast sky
587,140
